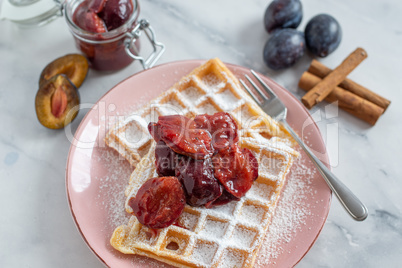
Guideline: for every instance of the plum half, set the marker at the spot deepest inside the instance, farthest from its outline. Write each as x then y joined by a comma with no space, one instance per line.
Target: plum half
74,66
56,102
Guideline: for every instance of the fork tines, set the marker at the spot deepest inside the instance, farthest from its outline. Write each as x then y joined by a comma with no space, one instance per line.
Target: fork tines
267,94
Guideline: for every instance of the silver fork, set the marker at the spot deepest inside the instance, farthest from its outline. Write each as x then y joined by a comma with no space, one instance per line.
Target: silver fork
274,107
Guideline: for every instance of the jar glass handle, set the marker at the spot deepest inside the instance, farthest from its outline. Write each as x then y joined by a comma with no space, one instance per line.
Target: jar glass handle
158,48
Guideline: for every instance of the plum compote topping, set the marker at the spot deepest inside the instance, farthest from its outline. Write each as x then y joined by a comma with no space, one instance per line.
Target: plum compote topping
180,134
96,5
100,16
225,198
197,178
115,12
203,155
89,21
236,169
166,159
159,202
222,127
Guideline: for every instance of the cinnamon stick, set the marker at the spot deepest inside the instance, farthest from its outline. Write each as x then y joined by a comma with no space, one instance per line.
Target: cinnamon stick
347,101
320,70
324,87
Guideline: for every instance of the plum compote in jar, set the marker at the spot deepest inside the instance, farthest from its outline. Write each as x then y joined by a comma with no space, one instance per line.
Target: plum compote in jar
100,29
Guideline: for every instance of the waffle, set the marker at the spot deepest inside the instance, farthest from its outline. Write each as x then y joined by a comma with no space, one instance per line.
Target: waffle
208,89
224,236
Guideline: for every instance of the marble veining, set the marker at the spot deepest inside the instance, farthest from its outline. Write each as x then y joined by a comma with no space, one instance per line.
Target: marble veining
37,229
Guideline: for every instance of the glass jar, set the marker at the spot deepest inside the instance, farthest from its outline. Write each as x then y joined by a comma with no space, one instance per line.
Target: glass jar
115,49
109,51
30,13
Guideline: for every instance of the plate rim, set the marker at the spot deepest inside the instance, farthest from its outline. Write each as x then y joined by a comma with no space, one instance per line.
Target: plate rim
231,66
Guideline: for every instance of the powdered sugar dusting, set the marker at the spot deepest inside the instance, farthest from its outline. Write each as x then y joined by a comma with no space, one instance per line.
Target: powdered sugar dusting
192,94
232,259
148,262
261,190
188,220
213,82
207,108
227,99
243,237
252,213
290,215
214,228
111,187
204,252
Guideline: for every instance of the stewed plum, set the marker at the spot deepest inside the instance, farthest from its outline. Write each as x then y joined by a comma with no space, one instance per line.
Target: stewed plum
225,198
180,134
197,177
166,159
236,169
212,171
159,202
99,16
323,35
284,48
155,131
222,127
96,5
282,14
116,12
88,20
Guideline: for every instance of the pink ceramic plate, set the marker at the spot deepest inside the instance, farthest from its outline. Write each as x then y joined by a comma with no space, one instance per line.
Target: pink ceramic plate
96,176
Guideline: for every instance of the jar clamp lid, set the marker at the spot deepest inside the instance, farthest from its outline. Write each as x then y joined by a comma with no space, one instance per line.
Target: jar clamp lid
158,47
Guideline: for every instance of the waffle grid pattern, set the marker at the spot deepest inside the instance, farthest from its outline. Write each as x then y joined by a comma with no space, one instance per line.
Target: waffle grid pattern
225,236
208,89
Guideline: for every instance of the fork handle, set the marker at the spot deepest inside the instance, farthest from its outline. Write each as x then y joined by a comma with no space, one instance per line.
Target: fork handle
349,201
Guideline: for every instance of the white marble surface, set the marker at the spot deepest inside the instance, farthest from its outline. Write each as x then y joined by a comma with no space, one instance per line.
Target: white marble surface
36,228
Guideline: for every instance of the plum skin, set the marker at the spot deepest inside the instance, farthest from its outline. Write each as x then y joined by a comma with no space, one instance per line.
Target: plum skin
323,35
284,49
197,177
74,66
166,159
159,202
204,182
102,16
282,14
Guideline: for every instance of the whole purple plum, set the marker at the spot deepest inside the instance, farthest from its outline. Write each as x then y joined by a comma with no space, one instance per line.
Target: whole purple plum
323,35
284,48
282,14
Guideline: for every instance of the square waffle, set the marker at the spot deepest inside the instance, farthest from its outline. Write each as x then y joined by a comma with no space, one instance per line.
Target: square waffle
224,236
207,89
